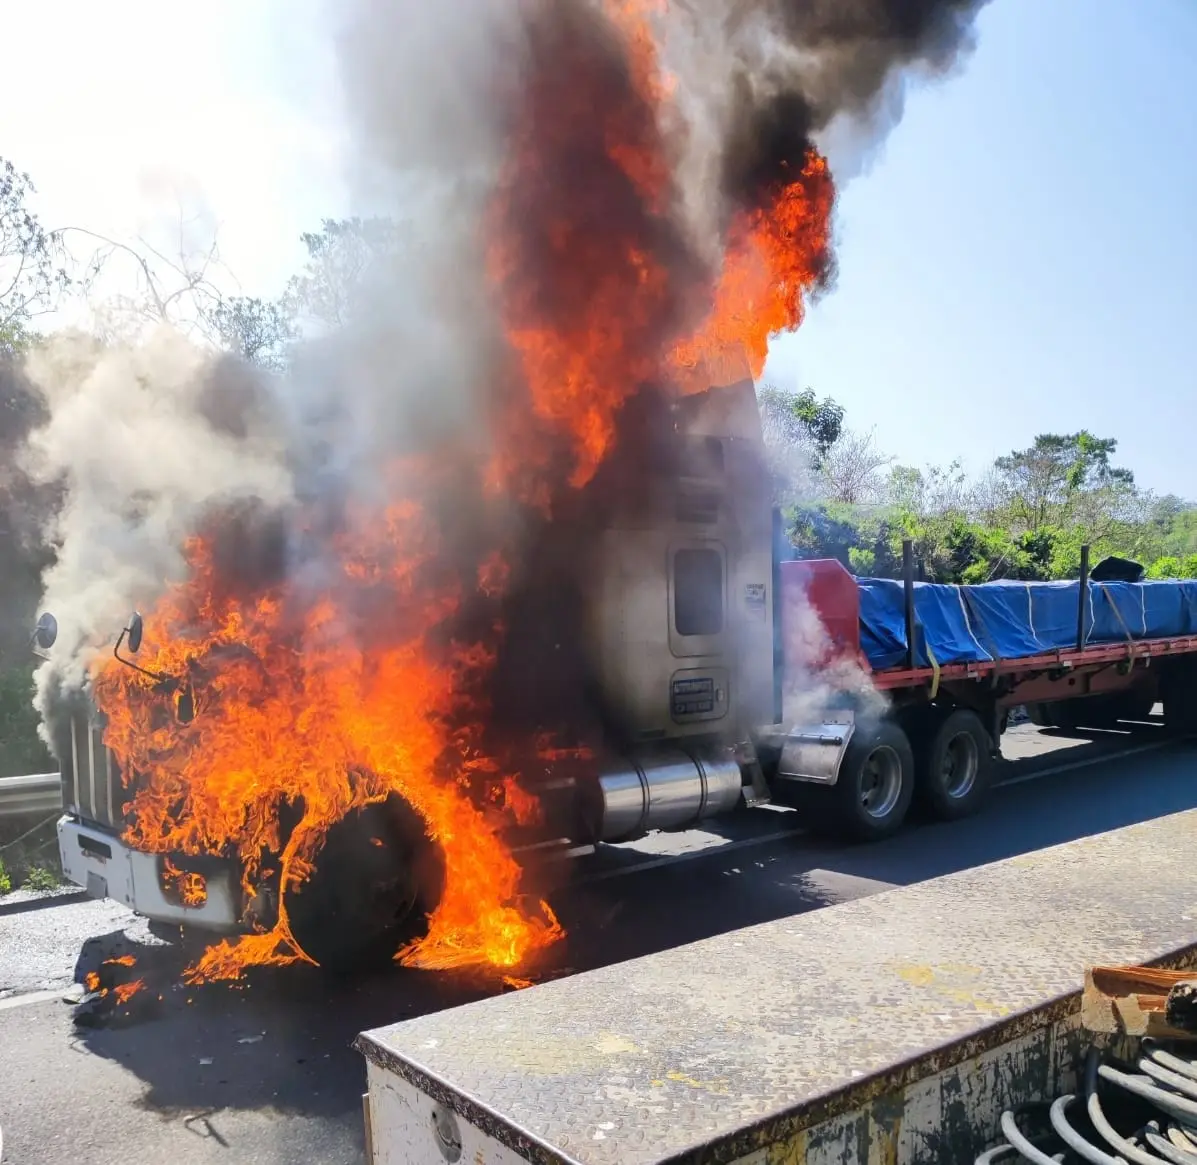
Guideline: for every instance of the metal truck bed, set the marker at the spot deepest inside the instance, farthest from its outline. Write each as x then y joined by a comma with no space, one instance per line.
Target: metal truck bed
859,1032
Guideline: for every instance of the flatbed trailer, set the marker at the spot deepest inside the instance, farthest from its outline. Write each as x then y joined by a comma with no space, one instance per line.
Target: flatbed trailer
895,1029
1078,668
913,683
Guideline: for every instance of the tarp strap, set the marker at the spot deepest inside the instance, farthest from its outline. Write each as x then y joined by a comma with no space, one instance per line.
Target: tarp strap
934,669
990,644
1130,638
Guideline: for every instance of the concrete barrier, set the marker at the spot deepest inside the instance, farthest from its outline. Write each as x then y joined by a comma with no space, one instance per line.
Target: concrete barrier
892,1029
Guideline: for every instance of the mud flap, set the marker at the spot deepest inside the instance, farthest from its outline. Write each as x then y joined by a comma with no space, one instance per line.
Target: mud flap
814,753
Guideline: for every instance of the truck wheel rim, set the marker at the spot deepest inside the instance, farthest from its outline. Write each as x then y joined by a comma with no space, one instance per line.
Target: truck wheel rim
961,760
881,782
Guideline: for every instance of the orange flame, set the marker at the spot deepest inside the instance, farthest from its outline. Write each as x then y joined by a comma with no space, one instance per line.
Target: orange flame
590,337
306,709
121,992
624,305
190,887
773,261
293,711
522,804
125,991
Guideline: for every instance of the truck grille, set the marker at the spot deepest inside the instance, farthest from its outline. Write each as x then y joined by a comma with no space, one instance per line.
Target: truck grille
91,783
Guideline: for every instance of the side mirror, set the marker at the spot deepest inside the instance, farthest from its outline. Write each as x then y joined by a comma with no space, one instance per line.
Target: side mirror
46,632
133,633
185,699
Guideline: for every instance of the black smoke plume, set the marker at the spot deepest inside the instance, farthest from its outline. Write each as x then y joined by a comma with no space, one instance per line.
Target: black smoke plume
761,80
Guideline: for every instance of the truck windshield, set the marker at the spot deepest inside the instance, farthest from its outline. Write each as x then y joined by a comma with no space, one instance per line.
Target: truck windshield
698,592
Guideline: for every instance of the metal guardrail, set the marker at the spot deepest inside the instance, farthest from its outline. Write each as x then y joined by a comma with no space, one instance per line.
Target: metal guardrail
35,793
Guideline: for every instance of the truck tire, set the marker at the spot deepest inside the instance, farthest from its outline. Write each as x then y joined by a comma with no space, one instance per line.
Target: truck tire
954,771
375,881
873,792
1040,715
1104,712
1179,692
1136,704
1068,715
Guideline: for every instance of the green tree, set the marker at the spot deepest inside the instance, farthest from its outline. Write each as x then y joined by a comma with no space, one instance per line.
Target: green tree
799,420
1171,566
257,330
344,258
1048,481
1175,523
32,270
21,749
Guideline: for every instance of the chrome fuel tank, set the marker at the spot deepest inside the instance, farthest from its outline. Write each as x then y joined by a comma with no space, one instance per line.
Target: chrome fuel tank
665,788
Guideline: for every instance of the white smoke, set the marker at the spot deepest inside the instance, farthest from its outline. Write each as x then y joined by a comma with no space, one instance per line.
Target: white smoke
818,683
138,446
146,437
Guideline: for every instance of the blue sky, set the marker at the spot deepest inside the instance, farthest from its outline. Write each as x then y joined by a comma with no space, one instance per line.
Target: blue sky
1022,255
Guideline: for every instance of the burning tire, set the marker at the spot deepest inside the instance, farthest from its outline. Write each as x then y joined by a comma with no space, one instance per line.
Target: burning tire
955,767
376,879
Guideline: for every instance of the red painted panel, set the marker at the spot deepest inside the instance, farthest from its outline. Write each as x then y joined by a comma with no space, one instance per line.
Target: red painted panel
820,614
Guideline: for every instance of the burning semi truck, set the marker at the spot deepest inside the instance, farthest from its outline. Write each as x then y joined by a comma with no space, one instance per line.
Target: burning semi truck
716,672
502,577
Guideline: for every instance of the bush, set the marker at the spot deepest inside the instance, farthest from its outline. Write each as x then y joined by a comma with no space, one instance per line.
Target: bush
29,854
21,749
1174,567
40,878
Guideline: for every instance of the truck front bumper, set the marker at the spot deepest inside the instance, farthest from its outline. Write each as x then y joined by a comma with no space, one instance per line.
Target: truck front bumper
107,868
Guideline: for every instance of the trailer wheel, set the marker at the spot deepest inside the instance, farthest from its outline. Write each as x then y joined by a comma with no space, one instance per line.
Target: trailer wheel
1180,702
1040,715
876,784
955,770
1104,712
1136,704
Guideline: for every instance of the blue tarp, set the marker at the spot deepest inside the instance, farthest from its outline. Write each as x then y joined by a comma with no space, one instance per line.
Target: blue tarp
1011,620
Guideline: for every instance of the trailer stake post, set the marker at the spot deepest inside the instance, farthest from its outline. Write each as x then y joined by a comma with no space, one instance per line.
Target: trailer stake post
1084,594
908,596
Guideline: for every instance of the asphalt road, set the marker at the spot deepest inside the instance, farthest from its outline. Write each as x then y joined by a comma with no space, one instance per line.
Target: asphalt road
262,1071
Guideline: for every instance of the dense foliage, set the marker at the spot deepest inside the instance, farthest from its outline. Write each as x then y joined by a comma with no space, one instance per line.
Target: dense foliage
1027,517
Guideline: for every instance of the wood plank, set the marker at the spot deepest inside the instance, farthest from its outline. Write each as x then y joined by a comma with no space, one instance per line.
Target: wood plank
1134,1001
1121,980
